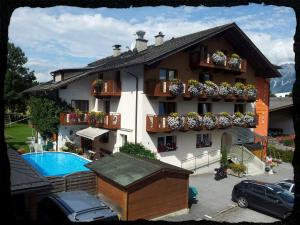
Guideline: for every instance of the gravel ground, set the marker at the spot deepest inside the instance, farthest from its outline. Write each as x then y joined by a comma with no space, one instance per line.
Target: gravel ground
214,199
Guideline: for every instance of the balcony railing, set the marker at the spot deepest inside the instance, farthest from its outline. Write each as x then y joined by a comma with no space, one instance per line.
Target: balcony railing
159,124
208,63
109,88
160,88
110,121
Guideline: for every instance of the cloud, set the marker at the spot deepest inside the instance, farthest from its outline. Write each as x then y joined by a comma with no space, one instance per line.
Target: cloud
67,39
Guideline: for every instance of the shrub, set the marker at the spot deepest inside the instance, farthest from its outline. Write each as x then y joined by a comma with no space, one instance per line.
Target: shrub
92,117
97,83
218,57
209,121
238,89
138,150
176,87
194,120
238,119
195,87
100,116
249,119
289,143
225,89
238,168
234,61
175,121
210,88
251,91
224,120
285,155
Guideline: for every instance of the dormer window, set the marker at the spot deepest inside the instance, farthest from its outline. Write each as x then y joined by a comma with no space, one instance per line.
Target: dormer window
58,77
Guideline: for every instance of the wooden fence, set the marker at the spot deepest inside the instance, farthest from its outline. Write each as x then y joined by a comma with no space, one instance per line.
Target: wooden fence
81,181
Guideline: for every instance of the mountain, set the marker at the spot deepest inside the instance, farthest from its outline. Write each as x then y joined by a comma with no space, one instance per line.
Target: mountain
284,83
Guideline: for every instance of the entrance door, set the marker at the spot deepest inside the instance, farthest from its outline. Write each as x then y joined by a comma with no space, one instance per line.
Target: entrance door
107,107
86,144
226,142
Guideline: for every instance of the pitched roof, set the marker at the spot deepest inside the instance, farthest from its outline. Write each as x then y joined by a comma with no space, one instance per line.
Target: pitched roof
153,53
277,103
127,170
24,178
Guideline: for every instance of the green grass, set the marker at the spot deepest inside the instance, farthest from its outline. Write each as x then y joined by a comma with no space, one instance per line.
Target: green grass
16,136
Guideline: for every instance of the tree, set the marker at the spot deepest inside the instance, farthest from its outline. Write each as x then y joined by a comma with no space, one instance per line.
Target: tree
138,150
17,79
45,115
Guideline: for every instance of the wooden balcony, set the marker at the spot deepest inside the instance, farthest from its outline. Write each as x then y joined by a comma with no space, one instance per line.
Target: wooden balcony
110,121
159,124
70,119
110,88
207,63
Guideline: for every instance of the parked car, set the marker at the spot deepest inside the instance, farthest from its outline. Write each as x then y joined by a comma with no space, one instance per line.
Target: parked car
264,197
74,206
193,193
288,185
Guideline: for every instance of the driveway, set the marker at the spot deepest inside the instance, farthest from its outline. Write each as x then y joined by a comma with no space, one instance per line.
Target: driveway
215,197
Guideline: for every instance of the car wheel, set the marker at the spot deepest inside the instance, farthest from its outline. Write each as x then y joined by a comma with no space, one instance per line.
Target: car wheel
242,202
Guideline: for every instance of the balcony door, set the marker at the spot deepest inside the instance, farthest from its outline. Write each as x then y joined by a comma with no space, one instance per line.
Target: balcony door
204,108
167,74
107,107
165,108
82,105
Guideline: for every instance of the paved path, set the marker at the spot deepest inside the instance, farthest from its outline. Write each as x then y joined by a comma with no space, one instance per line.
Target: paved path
215,197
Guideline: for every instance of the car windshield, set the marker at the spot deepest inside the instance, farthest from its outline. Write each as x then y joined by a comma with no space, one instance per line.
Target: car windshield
287,197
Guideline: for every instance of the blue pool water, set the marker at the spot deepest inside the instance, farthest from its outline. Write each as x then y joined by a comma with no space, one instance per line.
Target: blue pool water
56,163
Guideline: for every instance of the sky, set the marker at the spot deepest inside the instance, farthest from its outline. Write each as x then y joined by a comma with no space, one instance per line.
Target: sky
68,37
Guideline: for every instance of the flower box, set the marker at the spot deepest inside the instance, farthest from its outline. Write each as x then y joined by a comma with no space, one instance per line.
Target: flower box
219,58
175,121
176,87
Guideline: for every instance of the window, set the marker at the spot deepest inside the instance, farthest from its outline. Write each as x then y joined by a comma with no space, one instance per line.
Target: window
167,74
165,144
106,106
242,80
203,140
239,108
100,76
204,108
204,77
258,190
270,195
203,52
166,108
82,105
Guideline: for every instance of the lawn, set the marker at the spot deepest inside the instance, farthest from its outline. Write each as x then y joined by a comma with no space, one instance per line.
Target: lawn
16,135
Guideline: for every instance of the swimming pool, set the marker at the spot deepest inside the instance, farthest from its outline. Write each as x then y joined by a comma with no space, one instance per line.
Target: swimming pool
56,163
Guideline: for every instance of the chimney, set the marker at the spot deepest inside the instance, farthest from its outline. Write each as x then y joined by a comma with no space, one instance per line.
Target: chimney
116,50
141,43
159,39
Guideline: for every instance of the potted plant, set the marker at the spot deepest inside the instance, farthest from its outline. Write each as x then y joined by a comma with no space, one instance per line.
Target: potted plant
211,89
251,91
97,85
238,89
175,121
224,120
176,87
79,115
218,58
195,87
209,121
237,169
73,117
92,118
234,61
100,117
249,119
238,119
194,120
225,89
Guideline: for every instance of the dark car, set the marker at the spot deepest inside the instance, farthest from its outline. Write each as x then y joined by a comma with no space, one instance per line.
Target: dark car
74,206
264,197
